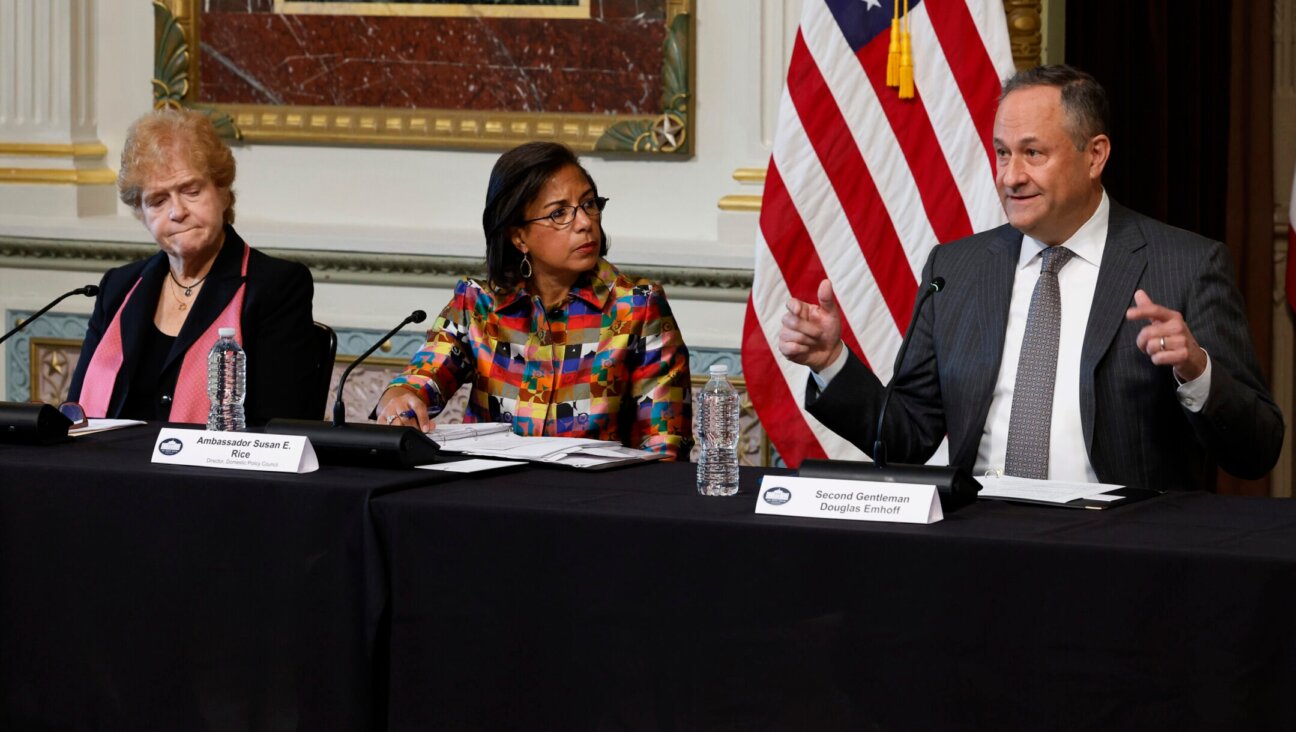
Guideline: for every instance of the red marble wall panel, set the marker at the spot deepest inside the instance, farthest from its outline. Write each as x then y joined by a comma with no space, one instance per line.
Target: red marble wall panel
611,63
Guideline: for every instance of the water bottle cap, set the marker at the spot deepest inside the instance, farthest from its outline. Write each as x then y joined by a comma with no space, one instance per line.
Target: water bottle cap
225,332
719,369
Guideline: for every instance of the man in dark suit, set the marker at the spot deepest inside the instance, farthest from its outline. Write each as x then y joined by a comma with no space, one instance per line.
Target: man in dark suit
1128,361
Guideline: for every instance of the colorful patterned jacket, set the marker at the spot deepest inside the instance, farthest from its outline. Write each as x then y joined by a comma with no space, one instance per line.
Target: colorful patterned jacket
610,363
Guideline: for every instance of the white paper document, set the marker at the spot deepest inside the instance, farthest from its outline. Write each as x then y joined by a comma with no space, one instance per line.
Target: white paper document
475,465
499,441
103,425
447,435
1046,491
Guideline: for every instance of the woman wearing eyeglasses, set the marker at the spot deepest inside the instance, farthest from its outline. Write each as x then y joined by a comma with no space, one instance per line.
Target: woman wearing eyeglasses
556,341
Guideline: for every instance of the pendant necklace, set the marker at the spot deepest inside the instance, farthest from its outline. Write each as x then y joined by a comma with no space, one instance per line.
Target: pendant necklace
181,305
188,289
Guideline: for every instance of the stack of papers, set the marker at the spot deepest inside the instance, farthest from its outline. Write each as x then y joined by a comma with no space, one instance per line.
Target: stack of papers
1044,491
103,425
497,440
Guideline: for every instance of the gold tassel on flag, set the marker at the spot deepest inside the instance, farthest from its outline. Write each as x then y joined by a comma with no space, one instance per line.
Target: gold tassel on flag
906,60
893,51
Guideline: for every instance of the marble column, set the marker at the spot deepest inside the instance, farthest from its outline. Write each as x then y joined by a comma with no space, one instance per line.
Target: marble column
51,161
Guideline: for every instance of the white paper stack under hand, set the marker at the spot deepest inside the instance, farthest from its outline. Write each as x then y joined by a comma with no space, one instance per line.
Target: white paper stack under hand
497,440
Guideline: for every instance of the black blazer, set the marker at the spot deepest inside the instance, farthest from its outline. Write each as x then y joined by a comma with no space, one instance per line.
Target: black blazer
1135,430
277,328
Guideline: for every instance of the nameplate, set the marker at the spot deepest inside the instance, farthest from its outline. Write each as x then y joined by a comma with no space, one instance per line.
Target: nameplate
235,451
854,500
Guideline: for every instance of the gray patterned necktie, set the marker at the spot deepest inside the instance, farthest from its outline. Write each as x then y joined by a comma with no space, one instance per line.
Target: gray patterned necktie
1032,404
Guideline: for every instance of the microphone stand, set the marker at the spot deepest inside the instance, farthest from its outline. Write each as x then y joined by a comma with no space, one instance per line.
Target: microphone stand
370,445
36,424
956,487
88,291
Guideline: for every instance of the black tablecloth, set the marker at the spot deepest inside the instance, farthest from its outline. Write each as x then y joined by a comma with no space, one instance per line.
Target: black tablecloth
148,597
550,599
139,596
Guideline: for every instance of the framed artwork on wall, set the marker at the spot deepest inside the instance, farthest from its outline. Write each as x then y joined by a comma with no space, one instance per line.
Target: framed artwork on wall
606,75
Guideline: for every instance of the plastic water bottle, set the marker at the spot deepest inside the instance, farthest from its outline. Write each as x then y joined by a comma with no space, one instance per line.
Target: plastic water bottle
717,432
226,383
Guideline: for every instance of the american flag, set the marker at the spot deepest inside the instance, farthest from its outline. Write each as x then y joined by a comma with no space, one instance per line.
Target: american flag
862,184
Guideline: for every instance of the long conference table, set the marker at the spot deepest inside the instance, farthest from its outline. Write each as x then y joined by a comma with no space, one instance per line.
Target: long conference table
140,596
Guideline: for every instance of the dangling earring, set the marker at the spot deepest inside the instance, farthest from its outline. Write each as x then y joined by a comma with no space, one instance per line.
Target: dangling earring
524,268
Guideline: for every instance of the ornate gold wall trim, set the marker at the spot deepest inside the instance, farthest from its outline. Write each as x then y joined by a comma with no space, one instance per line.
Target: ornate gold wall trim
1025,31
360,268
89,177
357,125
76,150
740,202
458,10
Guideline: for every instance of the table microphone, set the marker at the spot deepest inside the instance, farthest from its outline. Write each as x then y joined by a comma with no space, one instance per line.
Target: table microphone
955,487
88,291
371,445
879,446
339,407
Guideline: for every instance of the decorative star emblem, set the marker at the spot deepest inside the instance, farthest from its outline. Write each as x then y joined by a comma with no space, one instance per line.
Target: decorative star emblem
873,4
668,131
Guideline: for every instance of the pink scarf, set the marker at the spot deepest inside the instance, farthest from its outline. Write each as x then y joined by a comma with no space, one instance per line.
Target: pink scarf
190,402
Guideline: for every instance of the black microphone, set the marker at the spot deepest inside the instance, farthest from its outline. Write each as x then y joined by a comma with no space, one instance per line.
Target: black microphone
371,445
955,487
88,291
339,407
879,446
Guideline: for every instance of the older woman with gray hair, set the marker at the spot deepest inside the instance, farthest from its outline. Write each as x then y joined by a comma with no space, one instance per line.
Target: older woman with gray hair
145,351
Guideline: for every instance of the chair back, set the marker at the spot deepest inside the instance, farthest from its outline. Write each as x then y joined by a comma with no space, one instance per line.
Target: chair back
325,354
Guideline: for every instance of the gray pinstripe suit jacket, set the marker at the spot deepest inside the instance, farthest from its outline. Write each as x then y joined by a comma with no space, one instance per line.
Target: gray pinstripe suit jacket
1135,431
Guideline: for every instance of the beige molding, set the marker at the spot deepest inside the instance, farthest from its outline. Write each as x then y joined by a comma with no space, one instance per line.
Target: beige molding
361,268
79,150
76,177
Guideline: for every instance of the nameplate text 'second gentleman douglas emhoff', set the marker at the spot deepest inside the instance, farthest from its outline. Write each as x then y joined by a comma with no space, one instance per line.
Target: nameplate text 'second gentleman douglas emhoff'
855,500
235,451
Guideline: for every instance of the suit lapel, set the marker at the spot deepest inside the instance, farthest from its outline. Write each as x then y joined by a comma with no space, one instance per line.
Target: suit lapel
223,281
995,272
1123,262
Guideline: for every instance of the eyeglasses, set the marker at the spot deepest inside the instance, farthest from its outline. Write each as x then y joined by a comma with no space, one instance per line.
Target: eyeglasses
564,215
75,414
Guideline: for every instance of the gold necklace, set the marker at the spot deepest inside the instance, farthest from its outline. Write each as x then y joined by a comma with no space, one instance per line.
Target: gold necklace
183,306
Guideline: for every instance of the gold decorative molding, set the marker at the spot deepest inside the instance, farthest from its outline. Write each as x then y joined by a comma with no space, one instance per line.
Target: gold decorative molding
458,10
77,150
358,125
740,202
1025,31
750,175
89,177
52,361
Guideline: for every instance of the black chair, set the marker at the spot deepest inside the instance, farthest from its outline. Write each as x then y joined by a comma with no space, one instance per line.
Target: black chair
325,353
